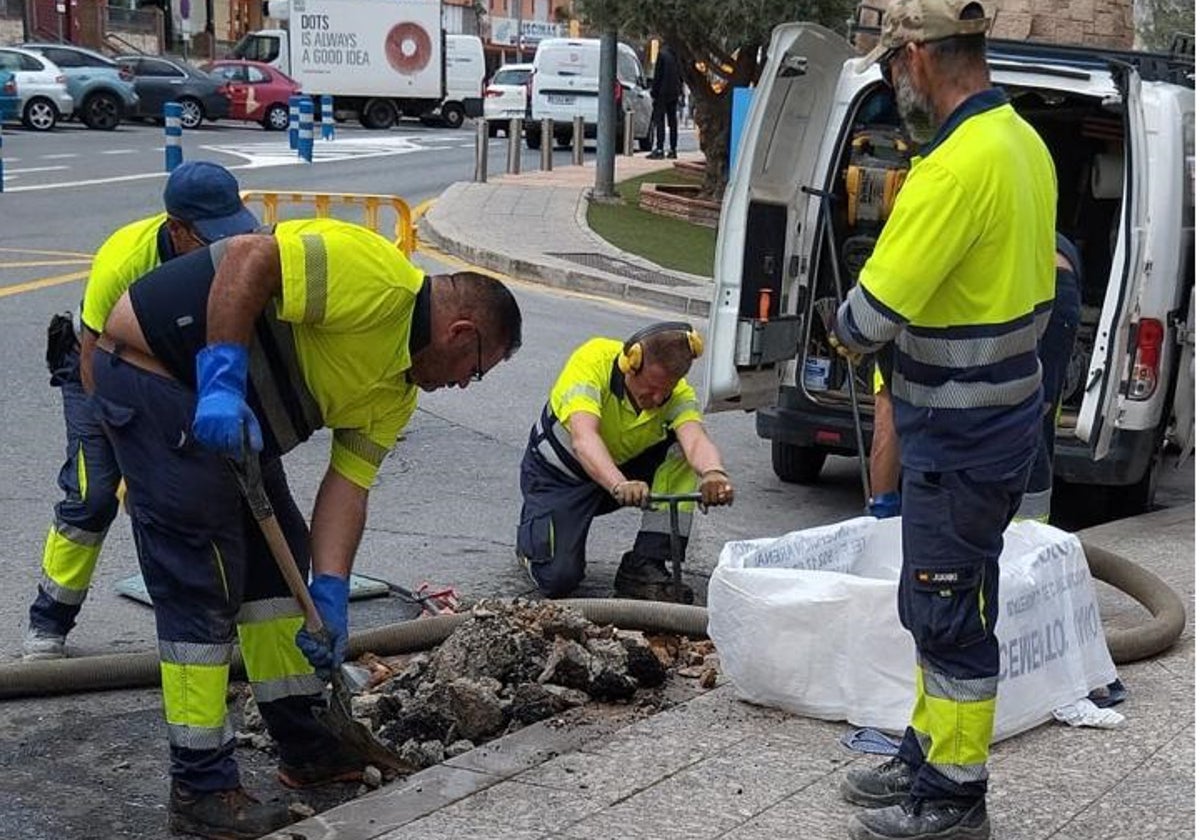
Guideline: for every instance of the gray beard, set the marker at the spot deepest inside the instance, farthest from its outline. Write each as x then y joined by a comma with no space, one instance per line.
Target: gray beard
915,110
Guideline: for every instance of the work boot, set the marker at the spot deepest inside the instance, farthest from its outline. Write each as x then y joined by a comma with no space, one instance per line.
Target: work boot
341,764
923,819
657,154
647,579
671,155
224,814
879,786
40,645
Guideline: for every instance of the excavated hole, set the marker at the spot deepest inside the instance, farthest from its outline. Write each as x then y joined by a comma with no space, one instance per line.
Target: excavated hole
512,664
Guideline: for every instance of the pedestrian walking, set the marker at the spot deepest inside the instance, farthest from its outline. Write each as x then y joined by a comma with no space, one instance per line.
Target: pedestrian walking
961,282
245,349
665,91
621,423
202,206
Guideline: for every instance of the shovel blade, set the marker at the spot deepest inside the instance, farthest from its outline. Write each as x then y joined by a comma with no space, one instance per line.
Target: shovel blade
338,719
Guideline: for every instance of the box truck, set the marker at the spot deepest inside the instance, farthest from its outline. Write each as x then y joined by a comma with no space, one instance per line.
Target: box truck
379,59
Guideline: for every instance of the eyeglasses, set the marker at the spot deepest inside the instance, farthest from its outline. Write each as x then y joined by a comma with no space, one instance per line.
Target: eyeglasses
885,65
477,374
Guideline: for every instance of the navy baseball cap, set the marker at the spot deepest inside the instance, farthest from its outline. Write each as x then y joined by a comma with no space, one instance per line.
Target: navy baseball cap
205,195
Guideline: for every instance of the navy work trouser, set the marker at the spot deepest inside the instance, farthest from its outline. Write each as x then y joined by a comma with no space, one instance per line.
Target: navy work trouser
88,478
210,574
558,510
1054,352
953,531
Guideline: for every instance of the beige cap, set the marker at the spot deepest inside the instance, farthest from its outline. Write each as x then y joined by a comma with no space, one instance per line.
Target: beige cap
918,21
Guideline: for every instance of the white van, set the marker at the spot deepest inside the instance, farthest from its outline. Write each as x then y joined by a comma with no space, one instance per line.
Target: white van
566,77
465,71
1121,129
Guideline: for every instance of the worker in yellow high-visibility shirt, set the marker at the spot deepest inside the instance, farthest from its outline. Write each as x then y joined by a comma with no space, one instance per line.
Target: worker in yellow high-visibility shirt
202,206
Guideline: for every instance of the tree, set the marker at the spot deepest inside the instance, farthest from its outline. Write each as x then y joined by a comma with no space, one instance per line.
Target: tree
1162,19
721,44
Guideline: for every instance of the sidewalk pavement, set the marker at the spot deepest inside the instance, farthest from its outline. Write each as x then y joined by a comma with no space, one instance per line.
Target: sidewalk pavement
533,227
715,767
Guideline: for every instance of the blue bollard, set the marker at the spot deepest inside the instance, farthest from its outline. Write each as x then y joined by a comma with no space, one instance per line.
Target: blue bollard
326,117
293,122
305,147
173,128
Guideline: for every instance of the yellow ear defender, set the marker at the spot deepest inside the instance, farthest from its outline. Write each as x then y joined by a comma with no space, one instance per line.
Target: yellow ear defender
630,360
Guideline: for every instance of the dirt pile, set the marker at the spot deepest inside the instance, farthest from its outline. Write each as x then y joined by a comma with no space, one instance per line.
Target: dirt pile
511,664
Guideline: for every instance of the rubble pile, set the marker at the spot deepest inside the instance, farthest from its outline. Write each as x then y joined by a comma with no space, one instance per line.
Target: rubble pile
511,664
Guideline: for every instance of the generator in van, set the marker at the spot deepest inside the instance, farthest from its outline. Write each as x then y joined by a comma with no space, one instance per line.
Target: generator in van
1121,129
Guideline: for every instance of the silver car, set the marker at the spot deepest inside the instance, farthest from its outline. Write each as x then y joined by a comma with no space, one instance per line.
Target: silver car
41,85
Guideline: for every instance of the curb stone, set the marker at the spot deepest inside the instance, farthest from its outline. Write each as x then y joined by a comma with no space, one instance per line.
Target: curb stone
553,272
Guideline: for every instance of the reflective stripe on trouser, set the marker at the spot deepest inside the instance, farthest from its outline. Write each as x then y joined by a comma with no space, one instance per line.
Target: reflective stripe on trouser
206,565
953,531
558,509
88,480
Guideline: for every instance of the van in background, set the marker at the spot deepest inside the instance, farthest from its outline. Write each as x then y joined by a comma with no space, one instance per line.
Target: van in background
565,83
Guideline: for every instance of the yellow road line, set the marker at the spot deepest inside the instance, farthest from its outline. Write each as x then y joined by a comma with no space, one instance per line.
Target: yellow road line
44,283
44,253
44,263
421,209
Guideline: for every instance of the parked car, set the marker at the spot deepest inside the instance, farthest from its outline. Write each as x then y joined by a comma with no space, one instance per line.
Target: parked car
10,102
42,87
257,92
1121,129
566,81
507,96
103,92
160,80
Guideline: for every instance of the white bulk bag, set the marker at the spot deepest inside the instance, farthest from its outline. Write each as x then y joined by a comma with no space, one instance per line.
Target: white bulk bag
807,623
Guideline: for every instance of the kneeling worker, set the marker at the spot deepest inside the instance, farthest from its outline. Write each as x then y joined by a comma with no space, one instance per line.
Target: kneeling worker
621,423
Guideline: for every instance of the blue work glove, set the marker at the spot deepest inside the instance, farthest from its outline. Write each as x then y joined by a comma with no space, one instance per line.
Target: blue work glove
331,594
221,409
885,506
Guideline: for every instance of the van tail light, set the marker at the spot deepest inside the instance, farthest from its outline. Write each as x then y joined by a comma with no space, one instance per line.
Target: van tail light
125,74
618,92
493,92
10,87
1144,380
60,80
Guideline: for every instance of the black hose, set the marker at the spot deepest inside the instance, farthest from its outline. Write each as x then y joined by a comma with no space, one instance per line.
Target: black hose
141,670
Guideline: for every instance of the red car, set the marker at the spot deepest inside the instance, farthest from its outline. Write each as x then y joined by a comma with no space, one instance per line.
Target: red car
258,92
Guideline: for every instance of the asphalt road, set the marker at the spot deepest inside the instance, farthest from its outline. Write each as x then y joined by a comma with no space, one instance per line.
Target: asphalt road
444,510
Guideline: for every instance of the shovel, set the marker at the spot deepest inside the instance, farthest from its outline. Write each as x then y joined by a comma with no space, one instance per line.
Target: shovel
337,716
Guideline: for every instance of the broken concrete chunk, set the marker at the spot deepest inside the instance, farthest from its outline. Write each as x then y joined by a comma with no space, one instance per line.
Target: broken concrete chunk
372,777
569,664
462,745
472,704
644,665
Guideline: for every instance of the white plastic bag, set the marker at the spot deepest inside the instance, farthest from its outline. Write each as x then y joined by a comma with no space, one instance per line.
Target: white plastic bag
807,622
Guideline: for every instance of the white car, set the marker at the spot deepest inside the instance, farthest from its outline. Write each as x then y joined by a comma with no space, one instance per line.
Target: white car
41,86
507,96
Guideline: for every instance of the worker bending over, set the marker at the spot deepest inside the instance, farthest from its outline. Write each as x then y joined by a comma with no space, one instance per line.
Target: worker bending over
254,344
